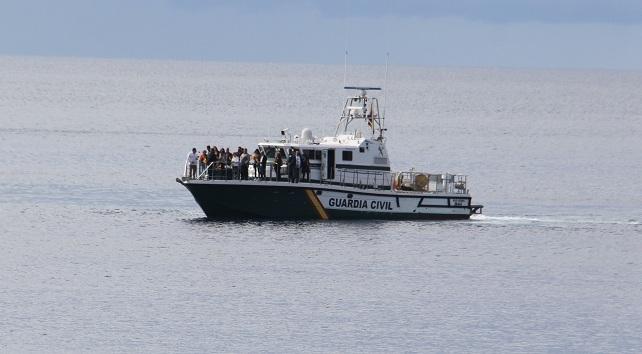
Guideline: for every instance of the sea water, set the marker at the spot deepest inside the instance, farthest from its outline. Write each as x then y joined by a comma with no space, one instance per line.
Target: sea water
102,251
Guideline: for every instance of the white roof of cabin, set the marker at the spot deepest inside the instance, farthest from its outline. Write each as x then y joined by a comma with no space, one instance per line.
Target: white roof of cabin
341,141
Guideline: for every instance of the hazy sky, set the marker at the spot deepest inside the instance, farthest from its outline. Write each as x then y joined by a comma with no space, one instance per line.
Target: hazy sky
503,33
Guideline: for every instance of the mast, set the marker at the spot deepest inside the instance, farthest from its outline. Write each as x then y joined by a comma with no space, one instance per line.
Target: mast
385,86
345,67
362,107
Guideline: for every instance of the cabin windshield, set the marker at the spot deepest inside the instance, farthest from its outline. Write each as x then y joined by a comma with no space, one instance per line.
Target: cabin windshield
269,151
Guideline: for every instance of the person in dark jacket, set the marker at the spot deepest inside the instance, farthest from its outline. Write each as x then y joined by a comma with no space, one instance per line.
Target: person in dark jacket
305,168
211,160
291,166
278,161
262,166
297,166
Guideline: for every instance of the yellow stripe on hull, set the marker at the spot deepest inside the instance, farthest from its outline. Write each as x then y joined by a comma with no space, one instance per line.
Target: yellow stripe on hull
316,203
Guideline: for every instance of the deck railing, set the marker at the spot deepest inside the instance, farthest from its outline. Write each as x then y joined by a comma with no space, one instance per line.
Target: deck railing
411,181
364,179
220,171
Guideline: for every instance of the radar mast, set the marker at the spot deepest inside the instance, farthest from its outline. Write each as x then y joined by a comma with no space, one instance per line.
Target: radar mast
362,108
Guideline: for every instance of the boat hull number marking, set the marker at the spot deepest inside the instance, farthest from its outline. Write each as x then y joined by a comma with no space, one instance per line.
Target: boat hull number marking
458,202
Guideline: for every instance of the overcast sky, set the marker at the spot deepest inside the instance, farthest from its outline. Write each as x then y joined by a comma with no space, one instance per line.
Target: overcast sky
490,33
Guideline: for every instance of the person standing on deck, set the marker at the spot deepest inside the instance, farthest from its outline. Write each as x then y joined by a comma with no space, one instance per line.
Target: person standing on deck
262,166
211,160
291,165
305,168
297,166
236,165
245,164
192,162
255,161
202,162
278,161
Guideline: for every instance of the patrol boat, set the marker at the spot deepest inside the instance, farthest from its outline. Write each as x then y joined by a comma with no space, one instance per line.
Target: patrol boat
350,178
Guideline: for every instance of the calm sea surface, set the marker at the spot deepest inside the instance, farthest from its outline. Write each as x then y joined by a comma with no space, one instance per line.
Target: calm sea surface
102,251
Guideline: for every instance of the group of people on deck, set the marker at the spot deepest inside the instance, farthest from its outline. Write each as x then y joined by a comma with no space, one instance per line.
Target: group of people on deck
236,165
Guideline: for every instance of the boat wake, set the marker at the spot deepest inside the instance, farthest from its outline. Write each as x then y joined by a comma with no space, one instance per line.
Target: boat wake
579,219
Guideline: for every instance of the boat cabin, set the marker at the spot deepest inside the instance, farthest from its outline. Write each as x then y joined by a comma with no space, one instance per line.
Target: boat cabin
332,158
355,155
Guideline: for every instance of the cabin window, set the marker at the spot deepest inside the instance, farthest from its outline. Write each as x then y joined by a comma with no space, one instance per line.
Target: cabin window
309,154
346,155
312,154
362,149
270,151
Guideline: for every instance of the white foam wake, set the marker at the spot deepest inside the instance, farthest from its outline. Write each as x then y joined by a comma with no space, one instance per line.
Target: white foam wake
578,219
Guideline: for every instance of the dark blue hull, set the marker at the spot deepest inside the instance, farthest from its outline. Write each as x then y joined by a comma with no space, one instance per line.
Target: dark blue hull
277,201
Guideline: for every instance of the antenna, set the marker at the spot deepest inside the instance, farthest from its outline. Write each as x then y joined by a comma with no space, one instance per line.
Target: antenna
345,66
346,43
385,85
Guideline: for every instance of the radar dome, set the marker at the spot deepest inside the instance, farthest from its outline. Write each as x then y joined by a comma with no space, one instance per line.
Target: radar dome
306,136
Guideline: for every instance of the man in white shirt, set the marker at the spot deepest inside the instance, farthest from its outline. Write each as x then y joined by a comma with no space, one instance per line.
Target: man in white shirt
192,161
